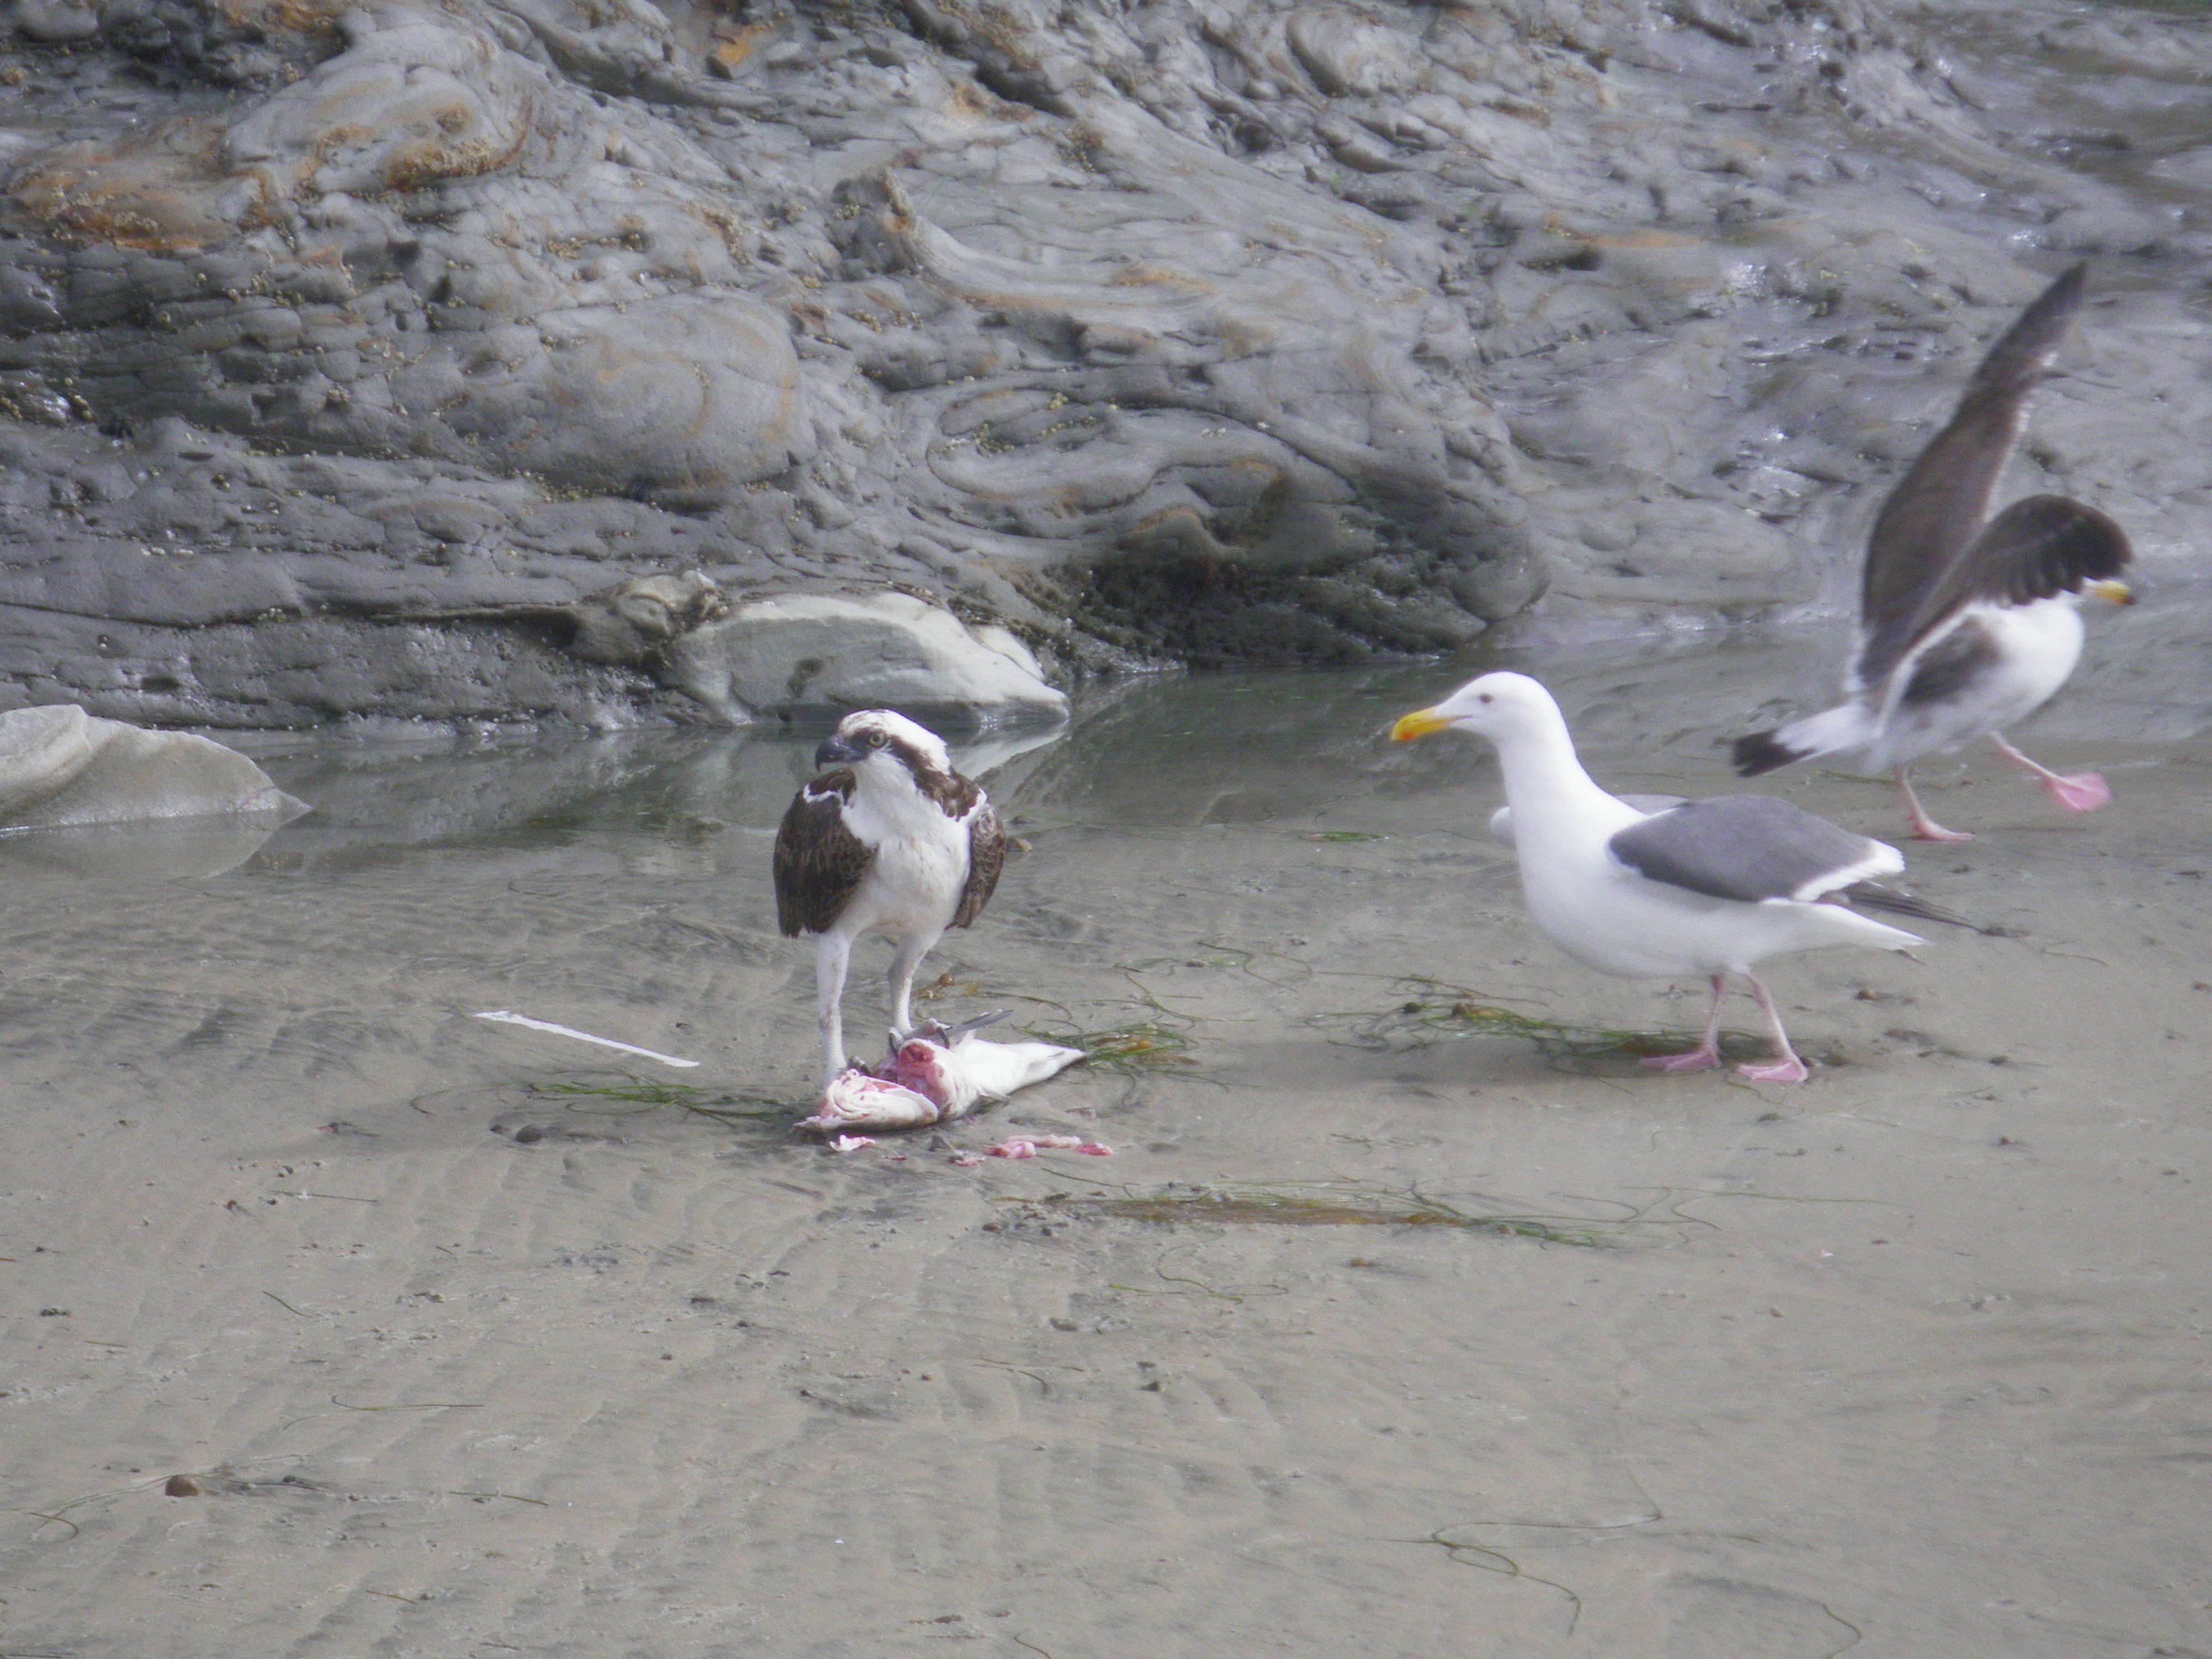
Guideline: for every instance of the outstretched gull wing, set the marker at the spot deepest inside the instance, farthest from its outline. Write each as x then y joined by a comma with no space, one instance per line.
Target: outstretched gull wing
987,856
819,863
2036,549
1933,518
1750,847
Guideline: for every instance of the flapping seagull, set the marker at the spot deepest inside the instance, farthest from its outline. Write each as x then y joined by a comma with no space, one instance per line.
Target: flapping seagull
890,839
1698,887
1968,626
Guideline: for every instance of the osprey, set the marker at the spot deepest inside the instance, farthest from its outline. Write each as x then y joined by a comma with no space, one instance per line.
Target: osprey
1967,627
890,839
1696,887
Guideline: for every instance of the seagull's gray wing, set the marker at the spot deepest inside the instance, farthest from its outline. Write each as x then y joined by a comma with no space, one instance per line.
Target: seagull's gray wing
1750,847
1932,519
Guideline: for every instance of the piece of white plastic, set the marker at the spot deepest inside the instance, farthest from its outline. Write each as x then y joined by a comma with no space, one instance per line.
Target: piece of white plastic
507,1018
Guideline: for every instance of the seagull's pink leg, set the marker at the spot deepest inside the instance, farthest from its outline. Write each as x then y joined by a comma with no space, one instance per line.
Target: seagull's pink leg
1923,827
2085,792
1788,1068
1706,1054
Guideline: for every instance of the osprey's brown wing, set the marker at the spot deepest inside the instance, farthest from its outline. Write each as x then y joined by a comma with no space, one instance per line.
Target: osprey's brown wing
1932,520
819,863
987,856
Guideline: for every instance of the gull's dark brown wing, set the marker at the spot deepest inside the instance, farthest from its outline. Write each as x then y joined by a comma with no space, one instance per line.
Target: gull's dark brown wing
987,856
2036,549
1933,518
819,863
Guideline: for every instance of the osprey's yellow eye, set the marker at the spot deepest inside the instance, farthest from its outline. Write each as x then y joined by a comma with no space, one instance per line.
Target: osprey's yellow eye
878,739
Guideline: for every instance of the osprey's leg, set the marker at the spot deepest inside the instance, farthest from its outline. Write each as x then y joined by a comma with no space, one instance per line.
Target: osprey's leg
1923,827
2085,792
1706,1054
1788,1068
906,958
830,961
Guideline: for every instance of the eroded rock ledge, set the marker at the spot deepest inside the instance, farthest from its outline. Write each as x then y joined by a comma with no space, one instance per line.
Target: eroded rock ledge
453,361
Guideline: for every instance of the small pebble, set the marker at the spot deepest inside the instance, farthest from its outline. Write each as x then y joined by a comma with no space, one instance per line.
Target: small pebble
181,1486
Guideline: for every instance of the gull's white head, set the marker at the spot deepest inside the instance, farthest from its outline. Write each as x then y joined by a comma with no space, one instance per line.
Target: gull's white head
875,741
1497,707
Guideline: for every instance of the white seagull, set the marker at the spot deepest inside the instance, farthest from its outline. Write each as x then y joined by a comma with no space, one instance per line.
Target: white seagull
1698,887
890,839
1968,626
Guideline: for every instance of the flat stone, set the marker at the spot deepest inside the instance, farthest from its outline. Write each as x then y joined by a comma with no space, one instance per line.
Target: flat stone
60,767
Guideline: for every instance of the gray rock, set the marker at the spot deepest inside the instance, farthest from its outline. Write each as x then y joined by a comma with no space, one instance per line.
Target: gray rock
635,620
375,361
778,657
61,767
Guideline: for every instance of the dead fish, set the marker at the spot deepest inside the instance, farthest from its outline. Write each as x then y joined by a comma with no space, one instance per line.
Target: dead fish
958,1074
859,1099
929,1080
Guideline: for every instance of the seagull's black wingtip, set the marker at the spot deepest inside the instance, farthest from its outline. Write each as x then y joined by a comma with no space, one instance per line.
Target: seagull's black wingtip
1876,896
1760,752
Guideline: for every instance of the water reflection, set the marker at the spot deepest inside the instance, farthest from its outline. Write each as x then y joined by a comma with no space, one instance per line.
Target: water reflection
689,787
1239,748
157,850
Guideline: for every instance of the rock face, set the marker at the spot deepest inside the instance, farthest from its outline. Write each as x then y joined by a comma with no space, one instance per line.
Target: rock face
459,361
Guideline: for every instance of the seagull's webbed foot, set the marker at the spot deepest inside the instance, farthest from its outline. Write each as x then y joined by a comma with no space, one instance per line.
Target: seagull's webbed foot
1707,1054
1785,1067
1702,1058
1791,1069
1923,827
2085,792
1926,829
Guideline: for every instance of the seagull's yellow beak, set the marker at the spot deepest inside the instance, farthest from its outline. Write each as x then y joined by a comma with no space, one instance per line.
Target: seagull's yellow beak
1419,724
2117,592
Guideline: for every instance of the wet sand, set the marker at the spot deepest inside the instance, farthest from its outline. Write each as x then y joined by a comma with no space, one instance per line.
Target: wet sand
1912,1357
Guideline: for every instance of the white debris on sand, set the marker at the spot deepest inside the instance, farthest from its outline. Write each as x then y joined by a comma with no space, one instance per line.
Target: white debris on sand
504,1017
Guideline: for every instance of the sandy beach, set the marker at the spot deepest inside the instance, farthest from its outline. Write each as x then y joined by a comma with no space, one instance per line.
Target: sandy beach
465,1340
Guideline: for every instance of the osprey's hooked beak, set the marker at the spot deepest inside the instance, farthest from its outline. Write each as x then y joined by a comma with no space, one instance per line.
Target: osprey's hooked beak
2116,592
1421,723
834,751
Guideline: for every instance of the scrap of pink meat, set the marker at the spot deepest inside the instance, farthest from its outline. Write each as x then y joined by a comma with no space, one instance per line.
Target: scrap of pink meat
1030,1145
